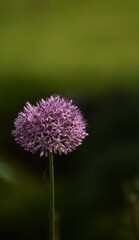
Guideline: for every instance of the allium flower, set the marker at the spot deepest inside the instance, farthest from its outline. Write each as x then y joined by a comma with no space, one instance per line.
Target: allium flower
52,125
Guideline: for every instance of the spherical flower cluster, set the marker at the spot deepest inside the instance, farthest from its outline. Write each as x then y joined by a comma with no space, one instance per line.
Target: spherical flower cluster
52,125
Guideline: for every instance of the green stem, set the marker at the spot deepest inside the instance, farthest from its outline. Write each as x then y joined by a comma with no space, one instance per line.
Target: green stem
52,197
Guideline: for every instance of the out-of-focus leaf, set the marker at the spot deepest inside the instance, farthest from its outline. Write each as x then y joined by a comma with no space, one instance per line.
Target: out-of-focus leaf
7,172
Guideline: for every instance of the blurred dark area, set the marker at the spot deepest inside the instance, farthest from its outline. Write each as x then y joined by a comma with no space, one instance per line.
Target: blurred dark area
87,51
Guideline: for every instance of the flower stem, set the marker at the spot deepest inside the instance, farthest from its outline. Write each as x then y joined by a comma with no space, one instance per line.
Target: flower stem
52,197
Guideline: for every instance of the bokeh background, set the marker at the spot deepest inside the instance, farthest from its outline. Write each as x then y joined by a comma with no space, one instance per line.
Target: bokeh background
87,51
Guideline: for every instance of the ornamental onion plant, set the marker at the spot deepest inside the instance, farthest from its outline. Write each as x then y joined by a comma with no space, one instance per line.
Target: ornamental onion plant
52,126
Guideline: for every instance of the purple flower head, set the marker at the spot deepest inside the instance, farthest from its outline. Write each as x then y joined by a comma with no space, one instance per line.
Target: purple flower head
52,125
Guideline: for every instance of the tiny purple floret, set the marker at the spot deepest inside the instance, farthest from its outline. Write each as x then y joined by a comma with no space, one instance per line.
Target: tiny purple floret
52,125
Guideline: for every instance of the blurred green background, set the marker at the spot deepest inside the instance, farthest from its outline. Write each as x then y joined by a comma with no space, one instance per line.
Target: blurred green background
87,51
